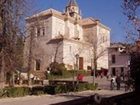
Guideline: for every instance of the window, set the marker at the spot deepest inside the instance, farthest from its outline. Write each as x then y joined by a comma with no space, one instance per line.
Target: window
89,68
38,32
43,31
113,59
38,64
122,70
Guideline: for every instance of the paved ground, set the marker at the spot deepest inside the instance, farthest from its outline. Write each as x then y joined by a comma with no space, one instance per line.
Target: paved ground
51,99
104,85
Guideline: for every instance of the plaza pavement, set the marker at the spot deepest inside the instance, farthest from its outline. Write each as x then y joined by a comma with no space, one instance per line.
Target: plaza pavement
52,99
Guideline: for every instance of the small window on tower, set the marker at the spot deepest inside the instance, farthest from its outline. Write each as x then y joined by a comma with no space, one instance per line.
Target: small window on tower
38,32
43,31
38,64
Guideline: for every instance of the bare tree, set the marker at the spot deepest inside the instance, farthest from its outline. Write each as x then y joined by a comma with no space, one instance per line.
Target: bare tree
56,45
11,14
131,10
98,47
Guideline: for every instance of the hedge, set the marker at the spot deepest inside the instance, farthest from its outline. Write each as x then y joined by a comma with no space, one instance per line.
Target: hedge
15,92
69,88
68,74
38,90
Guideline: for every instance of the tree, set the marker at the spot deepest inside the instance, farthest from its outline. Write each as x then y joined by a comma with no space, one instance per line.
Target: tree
99,47
56,46
131,10
11,14
55,54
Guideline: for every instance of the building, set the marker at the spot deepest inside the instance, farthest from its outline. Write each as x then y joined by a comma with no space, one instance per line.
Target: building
54,36
119,59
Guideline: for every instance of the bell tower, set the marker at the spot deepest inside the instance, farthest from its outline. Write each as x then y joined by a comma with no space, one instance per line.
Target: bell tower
72,9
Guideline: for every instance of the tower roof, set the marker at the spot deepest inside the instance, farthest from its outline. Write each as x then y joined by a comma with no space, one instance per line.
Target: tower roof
72,3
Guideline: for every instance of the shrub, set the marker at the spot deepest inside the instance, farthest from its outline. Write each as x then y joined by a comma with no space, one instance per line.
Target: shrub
57,69
69,88
60,89
16,91
92,86
86,86
83,72
3,93
37,90
49,89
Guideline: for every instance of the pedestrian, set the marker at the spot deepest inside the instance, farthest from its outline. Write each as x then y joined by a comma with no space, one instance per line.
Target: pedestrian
107,76
122,76
80,77
112,83
118,82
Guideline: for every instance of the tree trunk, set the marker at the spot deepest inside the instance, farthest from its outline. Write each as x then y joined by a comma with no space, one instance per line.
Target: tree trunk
2,79
95,69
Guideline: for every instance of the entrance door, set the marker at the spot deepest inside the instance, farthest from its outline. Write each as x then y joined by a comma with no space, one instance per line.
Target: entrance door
81,63
113,71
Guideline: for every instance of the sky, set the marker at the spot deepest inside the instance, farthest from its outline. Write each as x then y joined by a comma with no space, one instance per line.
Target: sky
109,12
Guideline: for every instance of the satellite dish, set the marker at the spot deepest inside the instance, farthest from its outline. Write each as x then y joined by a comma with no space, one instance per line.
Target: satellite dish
121,49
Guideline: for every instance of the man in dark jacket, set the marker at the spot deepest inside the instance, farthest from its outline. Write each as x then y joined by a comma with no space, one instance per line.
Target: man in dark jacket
118,82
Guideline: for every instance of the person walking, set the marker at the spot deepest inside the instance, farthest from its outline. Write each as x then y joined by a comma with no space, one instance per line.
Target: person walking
118,82
112,84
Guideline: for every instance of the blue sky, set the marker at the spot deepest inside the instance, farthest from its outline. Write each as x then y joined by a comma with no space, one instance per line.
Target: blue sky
109,12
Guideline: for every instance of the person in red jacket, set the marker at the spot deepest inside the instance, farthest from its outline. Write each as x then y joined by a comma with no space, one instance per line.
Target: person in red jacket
80,77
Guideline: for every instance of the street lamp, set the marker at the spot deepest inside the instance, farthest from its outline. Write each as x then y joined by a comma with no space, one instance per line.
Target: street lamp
75,67
77,57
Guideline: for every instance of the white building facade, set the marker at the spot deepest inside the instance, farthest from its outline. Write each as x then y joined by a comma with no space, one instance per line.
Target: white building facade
119,59
57,36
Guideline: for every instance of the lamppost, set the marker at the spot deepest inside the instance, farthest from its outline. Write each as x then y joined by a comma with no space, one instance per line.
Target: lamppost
75,68
77,58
